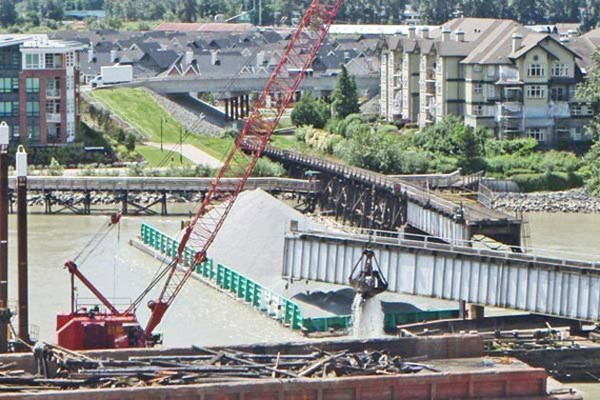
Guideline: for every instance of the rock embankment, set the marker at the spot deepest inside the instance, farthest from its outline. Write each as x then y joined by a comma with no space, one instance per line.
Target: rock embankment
571,201
105,198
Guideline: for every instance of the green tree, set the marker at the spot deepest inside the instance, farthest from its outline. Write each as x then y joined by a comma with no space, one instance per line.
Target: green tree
311,111
345,96
187,10
437,11
52,9
592,180
590,92
8,13
130,143
590,14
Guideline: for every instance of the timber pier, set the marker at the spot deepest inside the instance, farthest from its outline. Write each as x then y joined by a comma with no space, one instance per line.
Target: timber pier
125,189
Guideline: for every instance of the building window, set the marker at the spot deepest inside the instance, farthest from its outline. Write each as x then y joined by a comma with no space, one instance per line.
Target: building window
478,88
538,134
558,94
536,70
15,108
559,69
70,83
491,70
491,91
33,108
16,131
477,110
536,92
33,133
15,84
32,85
477,68
53,106
32,61
70,59
5,109
53,60
6,85
70,106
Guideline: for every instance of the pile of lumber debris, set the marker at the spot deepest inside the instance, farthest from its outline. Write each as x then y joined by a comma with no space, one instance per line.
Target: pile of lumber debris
71,370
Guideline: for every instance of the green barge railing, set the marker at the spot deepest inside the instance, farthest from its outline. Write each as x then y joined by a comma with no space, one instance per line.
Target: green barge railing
266,301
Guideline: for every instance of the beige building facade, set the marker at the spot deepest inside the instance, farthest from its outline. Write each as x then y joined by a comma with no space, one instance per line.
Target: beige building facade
492,73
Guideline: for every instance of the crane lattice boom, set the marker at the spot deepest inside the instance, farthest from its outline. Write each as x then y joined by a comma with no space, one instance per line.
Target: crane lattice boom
259,126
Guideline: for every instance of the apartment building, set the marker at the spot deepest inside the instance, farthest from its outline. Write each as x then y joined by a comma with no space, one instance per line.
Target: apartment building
39,88
493,73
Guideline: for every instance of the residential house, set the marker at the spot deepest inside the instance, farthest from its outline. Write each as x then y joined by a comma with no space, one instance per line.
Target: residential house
39,88
492,73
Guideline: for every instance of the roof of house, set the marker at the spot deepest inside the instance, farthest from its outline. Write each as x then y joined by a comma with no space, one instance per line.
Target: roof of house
178,26
162,58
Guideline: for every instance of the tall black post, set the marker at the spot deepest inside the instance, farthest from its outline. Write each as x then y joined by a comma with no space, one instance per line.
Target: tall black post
161,133
5,313
21,169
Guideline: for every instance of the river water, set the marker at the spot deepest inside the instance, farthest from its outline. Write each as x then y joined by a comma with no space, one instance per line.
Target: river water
200,315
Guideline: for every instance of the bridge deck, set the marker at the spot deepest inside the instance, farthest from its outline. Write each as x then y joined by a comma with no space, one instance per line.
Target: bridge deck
154,184
474,212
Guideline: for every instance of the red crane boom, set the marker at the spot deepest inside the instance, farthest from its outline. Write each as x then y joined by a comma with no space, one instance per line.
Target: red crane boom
259,126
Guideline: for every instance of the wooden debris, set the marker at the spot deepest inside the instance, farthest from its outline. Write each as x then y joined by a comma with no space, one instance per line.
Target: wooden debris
76,370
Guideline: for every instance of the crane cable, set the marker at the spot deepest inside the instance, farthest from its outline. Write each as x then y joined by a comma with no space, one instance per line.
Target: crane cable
92,244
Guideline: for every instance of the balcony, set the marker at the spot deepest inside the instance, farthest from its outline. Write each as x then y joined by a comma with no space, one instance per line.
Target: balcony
509,110
53,118
508,74
559,109
55,93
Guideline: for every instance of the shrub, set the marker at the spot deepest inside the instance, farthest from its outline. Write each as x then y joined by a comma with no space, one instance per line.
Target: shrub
267,168
311,111
548,181
130,143
55,169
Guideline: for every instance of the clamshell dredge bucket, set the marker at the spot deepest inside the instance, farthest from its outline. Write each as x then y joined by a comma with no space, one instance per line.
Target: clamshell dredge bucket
366,277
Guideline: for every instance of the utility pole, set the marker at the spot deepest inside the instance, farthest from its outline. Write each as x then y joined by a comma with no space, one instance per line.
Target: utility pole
21,169
181,144
161,133
5,313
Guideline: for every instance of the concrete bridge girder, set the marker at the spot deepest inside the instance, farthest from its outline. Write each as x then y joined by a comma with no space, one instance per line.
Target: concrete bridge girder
368,83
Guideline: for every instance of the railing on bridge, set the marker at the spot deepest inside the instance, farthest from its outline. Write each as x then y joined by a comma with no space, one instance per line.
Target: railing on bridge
413,192
481,247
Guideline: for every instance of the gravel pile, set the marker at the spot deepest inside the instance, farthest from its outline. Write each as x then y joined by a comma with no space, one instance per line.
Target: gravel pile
572,201
251,241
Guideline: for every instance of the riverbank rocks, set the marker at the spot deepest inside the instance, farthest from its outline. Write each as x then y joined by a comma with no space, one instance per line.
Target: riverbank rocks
571,201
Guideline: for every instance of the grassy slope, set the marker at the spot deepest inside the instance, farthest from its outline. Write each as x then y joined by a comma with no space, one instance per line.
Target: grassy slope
140,110
155,157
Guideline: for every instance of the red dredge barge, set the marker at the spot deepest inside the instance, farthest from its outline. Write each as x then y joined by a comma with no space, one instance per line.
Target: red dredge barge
436,367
